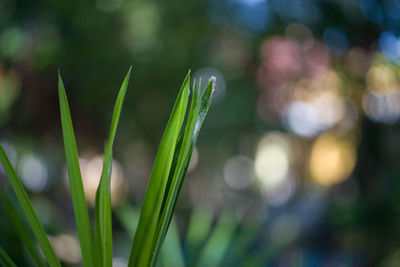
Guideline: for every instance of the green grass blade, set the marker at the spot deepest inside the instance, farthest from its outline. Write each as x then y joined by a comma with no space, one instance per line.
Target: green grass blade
104,218
197,113
21,229
178,159
28,209
97,234
75,179
104,197
5,260
142,249
172,254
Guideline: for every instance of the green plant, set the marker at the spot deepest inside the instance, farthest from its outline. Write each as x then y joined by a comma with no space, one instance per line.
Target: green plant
162,193
224,240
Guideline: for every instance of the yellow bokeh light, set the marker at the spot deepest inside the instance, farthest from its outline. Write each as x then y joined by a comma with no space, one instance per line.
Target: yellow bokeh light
66,247
91,168
327,80
381,78
332,160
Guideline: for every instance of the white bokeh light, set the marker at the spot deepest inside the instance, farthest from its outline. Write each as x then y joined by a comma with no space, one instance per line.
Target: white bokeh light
272,161
33,172
238,172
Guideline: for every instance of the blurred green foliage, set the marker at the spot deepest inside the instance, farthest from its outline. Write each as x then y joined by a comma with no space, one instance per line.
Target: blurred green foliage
308,93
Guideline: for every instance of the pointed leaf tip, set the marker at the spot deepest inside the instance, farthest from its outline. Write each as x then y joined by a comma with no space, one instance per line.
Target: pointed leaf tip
75,178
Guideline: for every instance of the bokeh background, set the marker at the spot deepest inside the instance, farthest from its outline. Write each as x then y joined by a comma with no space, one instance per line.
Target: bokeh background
298,162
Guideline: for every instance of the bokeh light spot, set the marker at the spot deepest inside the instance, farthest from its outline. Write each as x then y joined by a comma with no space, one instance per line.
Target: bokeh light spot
305,11
272,161
382,107
238,172
371,10
302,118
390,46
66,247
332,160
91,168
33,171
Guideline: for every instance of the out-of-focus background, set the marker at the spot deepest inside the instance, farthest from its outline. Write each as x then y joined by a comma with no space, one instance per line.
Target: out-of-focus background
298,162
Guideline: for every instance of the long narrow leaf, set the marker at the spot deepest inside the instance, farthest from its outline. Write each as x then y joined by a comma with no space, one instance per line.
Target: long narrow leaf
197,114
103,192
21,229
5,260
75,179
97,238
142,249
172,254
178,159
28,209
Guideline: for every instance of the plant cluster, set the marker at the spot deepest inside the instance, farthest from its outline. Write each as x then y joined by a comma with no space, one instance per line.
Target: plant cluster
169,169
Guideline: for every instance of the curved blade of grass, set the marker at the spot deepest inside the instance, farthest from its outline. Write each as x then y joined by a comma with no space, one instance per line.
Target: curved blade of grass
28,209
75,179
103,197
158,240
97,234
5,260
21,229
142,249
197,113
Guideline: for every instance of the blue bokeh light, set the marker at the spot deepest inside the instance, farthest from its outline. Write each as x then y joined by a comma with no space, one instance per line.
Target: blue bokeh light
251,15
304,11
336,40
255,15
371,10
392,9
390,46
